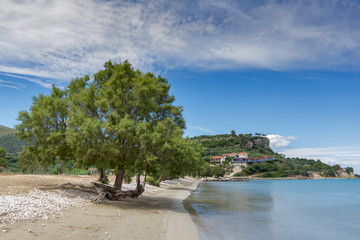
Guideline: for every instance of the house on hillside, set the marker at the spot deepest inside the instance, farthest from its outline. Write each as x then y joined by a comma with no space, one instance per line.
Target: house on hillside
243,155
229,155
217,160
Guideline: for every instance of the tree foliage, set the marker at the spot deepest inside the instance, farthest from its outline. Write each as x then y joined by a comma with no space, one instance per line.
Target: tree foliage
121,119
2,158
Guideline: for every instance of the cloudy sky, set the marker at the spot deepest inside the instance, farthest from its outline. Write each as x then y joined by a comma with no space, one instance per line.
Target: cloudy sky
289,69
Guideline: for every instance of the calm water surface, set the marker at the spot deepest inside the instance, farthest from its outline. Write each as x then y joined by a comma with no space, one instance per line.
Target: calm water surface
277,209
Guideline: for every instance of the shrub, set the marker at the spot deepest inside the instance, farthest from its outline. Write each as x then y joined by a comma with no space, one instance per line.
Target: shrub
56,170
128,178
104,179
239,174
267,175
79,171
152,181
304,173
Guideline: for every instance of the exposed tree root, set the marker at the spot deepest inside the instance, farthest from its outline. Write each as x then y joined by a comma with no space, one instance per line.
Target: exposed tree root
103,191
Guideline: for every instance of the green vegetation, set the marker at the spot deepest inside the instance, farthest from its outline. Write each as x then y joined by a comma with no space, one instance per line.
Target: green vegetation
3,163
216,145
258,146
213,171
6,131
12,144
122,119
152,181
290,167
78,171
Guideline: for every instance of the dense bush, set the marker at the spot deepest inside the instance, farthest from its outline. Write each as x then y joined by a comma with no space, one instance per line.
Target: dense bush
78,171
214,171
152,181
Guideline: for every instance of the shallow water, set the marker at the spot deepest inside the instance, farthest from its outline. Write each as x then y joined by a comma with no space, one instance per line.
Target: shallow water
277,209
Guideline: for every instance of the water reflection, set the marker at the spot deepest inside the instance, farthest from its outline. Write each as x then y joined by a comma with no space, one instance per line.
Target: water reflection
277,210
214,205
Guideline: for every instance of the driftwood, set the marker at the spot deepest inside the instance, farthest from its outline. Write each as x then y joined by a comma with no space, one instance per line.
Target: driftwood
102,190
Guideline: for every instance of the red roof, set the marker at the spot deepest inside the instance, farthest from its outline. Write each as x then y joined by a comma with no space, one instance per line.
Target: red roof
244,152
216,157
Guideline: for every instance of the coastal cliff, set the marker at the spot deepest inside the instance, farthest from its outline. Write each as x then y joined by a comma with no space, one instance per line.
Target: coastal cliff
259,142
258,146
341,174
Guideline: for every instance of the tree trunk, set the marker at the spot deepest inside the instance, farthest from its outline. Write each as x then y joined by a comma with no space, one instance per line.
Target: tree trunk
102,173
144,179
119,179
103,177
138,186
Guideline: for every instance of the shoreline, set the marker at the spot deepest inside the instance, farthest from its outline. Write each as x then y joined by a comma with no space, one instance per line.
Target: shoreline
157,214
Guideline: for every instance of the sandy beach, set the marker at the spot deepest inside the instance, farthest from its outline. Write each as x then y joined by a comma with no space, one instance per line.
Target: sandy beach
157,214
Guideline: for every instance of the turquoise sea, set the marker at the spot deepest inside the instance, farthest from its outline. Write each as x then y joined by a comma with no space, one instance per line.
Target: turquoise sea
277,210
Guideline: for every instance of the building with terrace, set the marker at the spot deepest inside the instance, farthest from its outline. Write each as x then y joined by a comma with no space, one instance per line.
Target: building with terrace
217,160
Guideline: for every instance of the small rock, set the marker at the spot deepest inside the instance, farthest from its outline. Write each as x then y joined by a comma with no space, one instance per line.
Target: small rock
106,233
29,230
119,214
43,225
4,230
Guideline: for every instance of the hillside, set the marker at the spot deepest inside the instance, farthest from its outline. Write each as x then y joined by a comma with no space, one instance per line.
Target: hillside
9,141
258,146
5,131
12,144
215,145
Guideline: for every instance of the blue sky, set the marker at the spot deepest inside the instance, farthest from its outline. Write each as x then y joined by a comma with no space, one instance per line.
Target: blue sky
289,69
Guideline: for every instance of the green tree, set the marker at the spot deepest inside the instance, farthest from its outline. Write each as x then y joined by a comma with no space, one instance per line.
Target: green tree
123,119
218,171
86,133
28,162
337,167
45,126
349,170
2,158
130,100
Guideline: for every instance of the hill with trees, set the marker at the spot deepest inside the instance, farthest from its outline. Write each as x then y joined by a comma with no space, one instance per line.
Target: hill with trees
214,145
258,145
5,131
12,144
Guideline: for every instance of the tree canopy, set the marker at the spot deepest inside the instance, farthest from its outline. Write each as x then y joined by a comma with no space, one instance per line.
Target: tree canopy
120,118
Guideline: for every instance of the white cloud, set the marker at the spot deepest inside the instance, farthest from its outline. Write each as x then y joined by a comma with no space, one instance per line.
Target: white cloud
64,39
278,141
206,130
346,156
43,83
7,84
